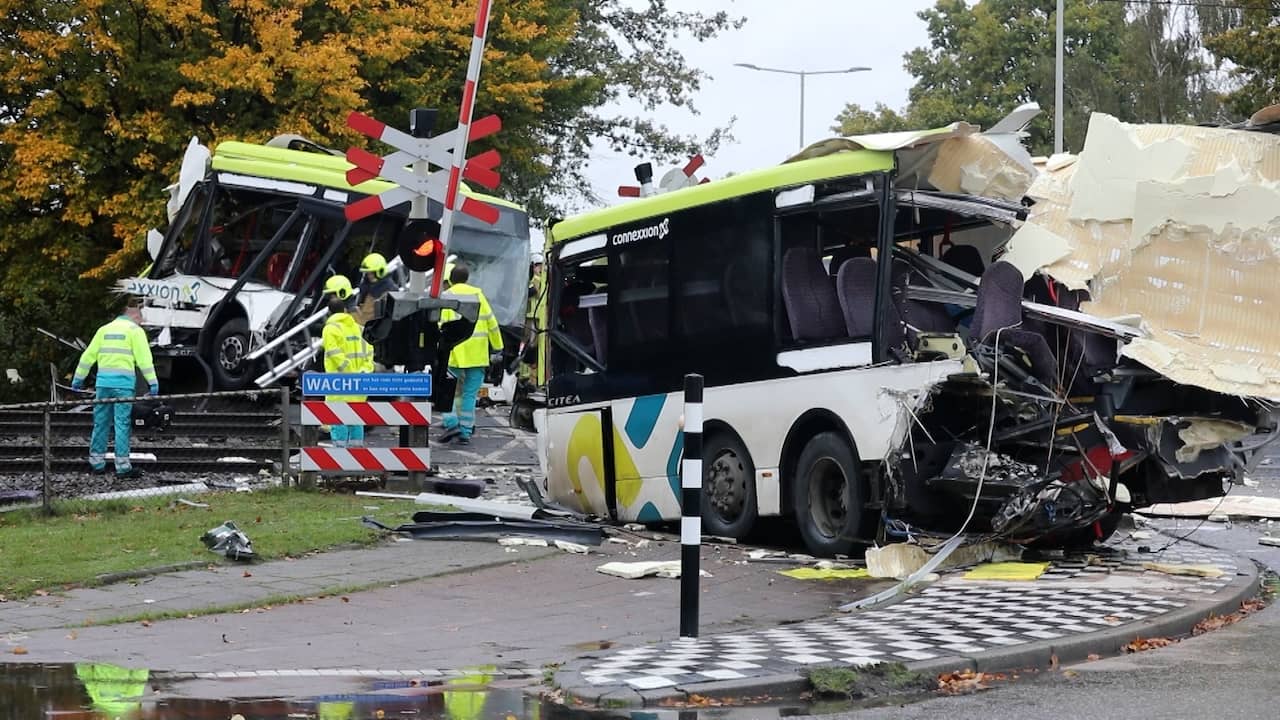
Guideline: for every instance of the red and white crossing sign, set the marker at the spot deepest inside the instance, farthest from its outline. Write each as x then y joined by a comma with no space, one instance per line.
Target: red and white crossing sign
397,459
395,412
411,184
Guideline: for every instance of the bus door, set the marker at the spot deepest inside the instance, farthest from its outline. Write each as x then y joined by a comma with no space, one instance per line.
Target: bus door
581,460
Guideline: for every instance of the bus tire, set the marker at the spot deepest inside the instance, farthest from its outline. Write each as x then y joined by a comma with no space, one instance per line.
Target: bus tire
828,495
230,343
728,487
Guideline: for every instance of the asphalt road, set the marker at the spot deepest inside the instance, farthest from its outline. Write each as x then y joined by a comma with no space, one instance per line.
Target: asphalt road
1230,673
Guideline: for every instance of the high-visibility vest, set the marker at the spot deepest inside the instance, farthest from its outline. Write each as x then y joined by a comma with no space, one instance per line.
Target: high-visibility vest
345,351
474,351
114,691
119,348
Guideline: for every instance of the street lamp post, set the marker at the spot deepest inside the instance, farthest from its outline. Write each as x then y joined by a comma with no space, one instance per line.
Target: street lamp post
802,74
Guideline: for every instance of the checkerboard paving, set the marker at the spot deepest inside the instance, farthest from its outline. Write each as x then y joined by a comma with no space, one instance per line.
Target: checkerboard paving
941,621
1132,563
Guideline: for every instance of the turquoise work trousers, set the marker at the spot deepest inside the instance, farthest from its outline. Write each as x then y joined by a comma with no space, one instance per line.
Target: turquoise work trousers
463,416
347,435
103,415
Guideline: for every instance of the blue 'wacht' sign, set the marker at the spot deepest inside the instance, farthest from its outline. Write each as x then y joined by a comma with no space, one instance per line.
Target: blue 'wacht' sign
372,384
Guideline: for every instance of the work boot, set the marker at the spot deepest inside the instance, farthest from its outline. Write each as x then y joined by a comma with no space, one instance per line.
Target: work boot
133,473
449,434
98,471
464,439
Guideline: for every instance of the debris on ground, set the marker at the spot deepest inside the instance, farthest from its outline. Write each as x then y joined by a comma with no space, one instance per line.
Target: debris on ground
571,547
522,541
1268,540
830,573
900,560
229,541
636,570
1208,571
1144,644
1217,622
1242,506
967,681
432,525
1017,571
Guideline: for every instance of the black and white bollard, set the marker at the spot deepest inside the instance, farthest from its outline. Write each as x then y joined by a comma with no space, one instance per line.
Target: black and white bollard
691,507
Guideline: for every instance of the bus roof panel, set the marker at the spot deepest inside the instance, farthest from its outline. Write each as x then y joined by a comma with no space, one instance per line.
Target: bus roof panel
781,176
309,167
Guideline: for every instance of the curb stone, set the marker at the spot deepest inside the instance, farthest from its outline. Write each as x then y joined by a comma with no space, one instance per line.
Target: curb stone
1108,642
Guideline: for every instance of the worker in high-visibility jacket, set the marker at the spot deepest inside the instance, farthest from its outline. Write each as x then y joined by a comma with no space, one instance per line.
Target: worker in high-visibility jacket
345,351
115,691
469,358
121,350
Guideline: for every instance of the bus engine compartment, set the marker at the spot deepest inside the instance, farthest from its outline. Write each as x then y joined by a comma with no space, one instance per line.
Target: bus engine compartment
1117,352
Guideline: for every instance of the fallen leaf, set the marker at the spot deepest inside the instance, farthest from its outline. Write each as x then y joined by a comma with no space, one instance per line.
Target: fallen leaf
346,599
1053,661
1112,619
1070,673
1094,656
259,519
42,593
247,574
71,635
19,650
146,623
1142,644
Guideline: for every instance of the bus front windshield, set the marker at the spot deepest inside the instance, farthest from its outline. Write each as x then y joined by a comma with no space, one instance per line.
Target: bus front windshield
498,256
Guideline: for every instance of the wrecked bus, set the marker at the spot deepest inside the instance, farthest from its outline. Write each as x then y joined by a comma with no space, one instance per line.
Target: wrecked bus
254,232
879,357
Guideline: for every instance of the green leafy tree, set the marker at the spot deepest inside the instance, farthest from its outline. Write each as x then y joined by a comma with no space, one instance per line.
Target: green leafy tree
987,58
98,99
1249,39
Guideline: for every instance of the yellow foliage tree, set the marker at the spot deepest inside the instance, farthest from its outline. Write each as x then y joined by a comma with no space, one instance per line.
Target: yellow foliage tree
98,99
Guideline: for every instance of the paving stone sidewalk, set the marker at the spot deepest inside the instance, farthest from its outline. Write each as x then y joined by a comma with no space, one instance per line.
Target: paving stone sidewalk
1083,604
226,585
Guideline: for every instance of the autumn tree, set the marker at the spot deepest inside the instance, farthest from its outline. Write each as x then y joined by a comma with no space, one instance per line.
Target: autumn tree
99,97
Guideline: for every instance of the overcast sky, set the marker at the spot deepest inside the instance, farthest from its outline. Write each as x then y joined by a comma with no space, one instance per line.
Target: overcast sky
790,34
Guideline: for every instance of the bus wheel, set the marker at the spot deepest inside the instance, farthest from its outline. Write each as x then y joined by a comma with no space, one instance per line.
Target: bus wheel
231,343
828,495
728,487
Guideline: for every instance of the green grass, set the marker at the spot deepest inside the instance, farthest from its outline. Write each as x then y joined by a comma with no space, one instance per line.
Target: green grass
83,540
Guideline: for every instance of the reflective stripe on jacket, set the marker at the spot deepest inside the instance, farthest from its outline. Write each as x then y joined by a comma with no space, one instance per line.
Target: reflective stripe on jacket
119,348
345,351
474,351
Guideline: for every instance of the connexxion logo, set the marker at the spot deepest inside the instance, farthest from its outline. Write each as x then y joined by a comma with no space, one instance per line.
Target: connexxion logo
658,231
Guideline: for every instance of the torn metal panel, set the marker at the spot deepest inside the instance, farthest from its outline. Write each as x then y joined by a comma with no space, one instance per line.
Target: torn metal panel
469,526
1178,225
981,165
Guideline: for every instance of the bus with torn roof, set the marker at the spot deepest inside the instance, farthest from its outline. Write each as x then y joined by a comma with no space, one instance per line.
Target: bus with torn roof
878,361
255,230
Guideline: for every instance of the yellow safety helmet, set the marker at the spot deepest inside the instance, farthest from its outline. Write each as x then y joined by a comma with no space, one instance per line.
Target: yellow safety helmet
374,263
339,286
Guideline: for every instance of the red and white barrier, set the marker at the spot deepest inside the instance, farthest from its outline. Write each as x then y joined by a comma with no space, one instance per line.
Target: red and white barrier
396,459
401,413
464,123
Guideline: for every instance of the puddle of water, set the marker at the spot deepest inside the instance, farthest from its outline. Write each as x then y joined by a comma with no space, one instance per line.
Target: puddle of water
95,691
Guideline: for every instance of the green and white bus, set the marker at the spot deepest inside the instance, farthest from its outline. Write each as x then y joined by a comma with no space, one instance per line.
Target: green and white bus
255,230
825,301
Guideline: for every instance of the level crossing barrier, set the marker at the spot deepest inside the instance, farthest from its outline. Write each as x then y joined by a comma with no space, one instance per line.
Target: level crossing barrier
412,414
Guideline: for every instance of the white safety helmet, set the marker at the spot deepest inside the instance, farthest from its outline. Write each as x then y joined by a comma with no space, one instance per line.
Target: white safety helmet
536,258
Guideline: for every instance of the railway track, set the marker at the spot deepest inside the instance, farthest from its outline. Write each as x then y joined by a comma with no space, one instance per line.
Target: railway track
188,424
194,442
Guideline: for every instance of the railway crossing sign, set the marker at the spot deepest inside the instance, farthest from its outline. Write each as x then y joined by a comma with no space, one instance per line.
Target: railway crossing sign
421,184
369,384
415,183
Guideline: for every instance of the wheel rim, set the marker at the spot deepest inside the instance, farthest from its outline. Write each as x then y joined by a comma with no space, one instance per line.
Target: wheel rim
727,486
827,506
231,354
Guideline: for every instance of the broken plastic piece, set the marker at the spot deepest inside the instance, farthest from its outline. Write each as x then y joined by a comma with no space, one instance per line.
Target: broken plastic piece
1023,571
813,573
635,570
230,541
